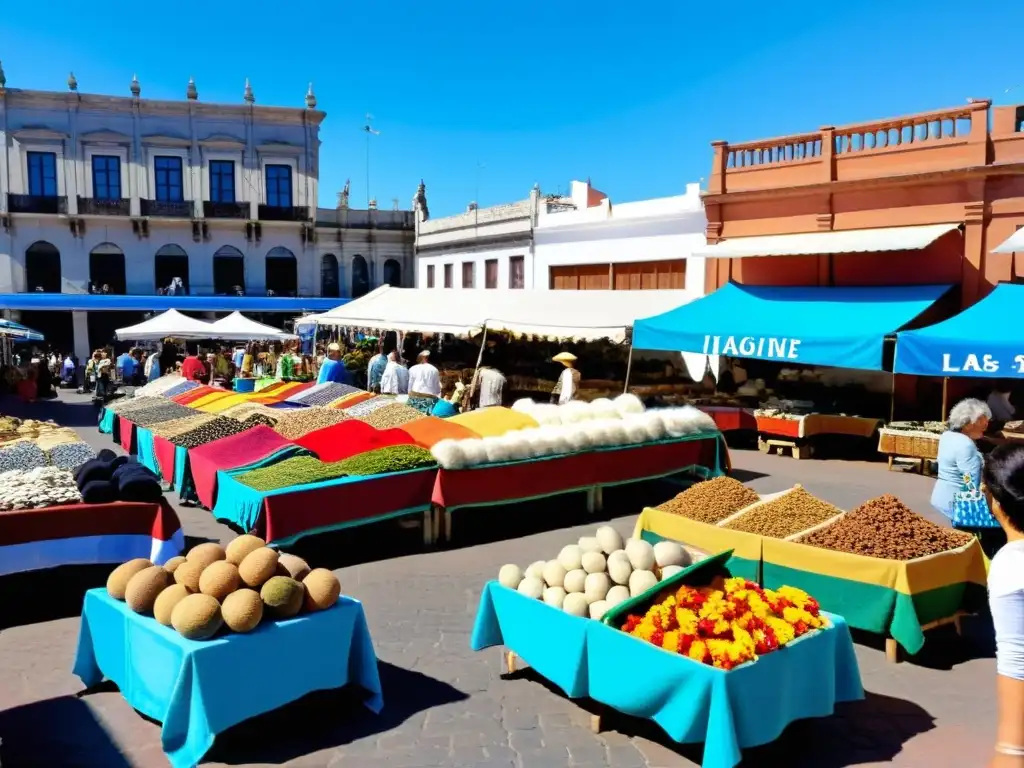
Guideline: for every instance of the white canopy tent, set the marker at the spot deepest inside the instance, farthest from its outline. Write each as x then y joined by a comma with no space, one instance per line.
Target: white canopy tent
170,324
585,315
238,327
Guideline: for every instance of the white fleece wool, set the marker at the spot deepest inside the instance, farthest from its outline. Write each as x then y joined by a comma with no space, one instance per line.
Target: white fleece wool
496,449
615,433
654,425
575,412
578,438
449,454
635,428
546,413
603,408
701,421
519,449
523,405
628,403
474,451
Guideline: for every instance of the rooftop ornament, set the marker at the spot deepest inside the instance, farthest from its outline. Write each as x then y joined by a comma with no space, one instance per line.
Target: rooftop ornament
135,88
3,77
310,98
72,82
248,95
191,92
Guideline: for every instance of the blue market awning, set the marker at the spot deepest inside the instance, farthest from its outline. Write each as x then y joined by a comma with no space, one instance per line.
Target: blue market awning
19,331
983,341
100,302
840,327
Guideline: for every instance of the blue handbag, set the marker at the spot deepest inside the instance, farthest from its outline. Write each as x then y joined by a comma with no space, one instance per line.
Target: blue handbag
970,509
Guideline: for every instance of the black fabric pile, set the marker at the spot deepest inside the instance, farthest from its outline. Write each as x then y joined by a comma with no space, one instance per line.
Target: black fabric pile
110,478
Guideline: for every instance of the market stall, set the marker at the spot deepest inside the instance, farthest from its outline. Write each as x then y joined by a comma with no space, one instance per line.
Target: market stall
793,326
886,569
916,441
169,324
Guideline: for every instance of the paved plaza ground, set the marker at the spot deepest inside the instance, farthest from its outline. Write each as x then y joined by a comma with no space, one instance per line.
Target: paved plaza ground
446,705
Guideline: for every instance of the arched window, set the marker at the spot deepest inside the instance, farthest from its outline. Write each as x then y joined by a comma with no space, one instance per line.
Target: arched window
360,277
282,272
392,273
106,269
42,268
171,269
329,285
228,271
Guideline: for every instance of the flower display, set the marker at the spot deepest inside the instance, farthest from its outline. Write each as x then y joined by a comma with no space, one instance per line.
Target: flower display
728,626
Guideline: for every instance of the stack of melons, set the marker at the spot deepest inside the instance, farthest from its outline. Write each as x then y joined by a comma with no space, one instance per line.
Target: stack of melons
214,586
598,573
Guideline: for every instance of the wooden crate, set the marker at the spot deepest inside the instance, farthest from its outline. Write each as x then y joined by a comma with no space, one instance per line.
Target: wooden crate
909,445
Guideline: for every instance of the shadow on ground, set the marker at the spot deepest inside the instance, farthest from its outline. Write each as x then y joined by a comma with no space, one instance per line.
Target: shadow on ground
67,414
328,719
64,588
56,732
943,648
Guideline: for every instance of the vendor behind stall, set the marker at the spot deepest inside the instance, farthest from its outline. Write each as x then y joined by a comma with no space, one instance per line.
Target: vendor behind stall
568,384
999,402
333,368
192,368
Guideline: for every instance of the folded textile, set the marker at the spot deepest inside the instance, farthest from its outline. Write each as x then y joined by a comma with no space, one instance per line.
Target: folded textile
99,492
139,486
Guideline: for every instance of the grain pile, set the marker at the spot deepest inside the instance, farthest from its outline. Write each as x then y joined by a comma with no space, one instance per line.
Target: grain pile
366,407
258,419
180,388
169,429
165,411
391,415
54,437
350,400
294,424
35,488
297,471
789,514
242,410
886,528
324,394
206,433
21,454
711,501
393,458
70,456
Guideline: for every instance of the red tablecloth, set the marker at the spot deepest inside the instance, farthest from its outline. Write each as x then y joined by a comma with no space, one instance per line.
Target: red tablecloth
195,393
779,427
83,534
126,434
518,481
349,438
731,419
228,453
164,450
359,499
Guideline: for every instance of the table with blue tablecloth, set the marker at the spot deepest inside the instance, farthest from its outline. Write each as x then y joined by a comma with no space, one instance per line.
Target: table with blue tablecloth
147,450
692,702
106,422
198,689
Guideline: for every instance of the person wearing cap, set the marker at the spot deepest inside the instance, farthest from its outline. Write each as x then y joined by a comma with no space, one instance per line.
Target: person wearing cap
568,383
395,380
424,378
333,368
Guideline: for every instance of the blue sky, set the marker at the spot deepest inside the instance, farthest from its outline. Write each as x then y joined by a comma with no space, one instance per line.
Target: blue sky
629,94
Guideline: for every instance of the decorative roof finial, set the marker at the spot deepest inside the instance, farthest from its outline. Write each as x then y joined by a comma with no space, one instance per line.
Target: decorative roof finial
419,200
310,98
373,204
3,77
72,82
191,92
248,96
136,89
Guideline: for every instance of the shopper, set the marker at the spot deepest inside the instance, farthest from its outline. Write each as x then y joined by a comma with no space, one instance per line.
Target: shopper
333,368
395,380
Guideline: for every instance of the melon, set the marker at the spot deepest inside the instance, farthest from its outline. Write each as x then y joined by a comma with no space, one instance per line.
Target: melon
242,610
293,566
609,539
575,604
197,617
258,566
617,594
188,574
670,553
531,586
118,580
238,548
165,602
510,575
171,565
204,554
554,573
598,608
144,587
641,581
322,589
282,596
219,579
554,596
571,557
575,580
640,554
594,562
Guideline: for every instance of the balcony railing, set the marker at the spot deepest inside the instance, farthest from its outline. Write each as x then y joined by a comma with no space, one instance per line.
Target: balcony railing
284,213
181,209
212,210
37,204
91,206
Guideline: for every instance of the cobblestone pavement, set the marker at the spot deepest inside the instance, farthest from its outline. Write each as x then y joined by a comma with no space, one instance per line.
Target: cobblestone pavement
447,706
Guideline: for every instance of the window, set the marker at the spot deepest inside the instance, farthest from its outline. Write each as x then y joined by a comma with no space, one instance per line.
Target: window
222,181
168,179
448,275
468,269
517,272
279,186
491,273
430,276
106,177
42,174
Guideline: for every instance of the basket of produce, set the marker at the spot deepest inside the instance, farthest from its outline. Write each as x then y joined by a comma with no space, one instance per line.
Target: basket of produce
912,443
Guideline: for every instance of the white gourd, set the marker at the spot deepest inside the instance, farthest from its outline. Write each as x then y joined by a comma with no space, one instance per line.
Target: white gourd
571,557
609,539
510,575
536,569
594,562
641,554
554,573
617,594
589,544
576,604
554,596
575,580
597,586
670,570
531,587
598,609
619,567
669,553
640,582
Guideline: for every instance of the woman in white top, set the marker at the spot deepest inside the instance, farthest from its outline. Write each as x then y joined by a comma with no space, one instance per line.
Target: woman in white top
1003,484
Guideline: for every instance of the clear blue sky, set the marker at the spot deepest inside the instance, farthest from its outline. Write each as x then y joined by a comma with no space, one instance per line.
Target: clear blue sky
629,94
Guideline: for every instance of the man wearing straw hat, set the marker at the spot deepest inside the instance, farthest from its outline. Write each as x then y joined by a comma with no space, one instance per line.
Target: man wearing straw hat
568,382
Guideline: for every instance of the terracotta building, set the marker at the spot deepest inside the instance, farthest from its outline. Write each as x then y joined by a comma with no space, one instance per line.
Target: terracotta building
923,198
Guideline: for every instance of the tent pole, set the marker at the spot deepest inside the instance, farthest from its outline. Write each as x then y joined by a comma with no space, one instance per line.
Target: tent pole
479,359
945,396
629,369
892,399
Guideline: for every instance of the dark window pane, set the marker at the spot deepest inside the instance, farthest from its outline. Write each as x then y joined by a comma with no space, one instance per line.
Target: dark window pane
168,172
222,181
42,174
279,185
106,177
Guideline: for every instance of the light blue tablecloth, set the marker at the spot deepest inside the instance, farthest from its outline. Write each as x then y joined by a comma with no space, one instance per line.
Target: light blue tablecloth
692,702
199,689
146,450
106,423
180,461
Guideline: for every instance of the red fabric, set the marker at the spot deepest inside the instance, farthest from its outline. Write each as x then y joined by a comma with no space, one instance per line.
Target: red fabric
75,520
289,514
193,394
780,427
547,477
729,419
230,452
349,438
193,369
127,431
164,450
27,390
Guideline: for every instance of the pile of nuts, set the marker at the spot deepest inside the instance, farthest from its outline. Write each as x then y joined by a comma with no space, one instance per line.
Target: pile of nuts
177,427
711,501
208,432
299,470
795,511
391,415
301,421
21,454
887,529
367,407
162,410
39,487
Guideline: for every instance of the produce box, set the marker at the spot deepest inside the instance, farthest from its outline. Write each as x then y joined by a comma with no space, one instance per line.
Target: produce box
774,425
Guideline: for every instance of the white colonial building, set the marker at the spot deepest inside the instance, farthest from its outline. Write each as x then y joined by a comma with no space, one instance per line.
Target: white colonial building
579,242
105,200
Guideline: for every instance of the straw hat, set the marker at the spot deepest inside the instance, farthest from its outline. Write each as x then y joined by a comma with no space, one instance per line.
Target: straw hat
333,348
423,353
564,358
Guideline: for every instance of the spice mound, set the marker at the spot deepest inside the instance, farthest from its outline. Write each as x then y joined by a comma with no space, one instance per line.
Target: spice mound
886,528
787,515
711,501
300,470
